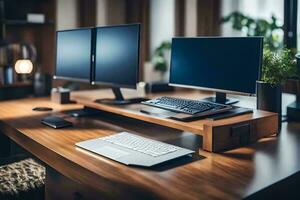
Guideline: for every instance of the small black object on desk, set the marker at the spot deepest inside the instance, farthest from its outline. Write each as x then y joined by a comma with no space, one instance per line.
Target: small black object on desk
56,122
42,109
85,112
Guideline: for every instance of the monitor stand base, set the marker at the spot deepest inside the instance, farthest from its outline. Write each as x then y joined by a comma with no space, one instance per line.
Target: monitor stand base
221,98
119,99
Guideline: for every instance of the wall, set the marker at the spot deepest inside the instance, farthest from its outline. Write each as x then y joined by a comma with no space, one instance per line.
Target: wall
66,14
162,22
254,8
162,28
101,13
191,18
110,12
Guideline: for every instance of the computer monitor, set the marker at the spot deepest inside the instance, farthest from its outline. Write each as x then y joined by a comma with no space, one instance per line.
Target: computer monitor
74,54
117,60
221,64
74,59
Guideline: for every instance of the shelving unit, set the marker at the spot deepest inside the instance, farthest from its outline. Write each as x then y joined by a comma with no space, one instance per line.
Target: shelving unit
14,28
16,90
25,23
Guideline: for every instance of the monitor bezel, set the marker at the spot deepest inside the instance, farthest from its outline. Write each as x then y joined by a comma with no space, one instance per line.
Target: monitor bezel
110,84
69,78
217,89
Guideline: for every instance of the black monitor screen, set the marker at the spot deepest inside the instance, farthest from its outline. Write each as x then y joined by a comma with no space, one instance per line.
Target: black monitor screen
73,54
219,63
117,55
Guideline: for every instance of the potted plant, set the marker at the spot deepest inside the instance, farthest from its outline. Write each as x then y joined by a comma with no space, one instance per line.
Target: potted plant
277,67
159,58
159,64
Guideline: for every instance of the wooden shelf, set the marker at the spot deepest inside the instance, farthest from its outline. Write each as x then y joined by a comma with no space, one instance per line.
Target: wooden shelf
16,85
218,135
25,23
15,28
16,90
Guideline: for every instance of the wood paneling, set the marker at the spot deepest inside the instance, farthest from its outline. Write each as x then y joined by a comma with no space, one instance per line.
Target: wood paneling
180,17
232,174
208,17
86,13
115,12
46,43
137,11
292,86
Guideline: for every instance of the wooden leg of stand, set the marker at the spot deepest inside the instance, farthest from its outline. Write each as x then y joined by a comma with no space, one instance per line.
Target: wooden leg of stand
207,143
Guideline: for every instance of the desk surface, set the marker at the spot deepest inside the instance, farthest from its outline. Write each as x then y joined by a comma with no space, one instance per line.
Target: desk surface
230,175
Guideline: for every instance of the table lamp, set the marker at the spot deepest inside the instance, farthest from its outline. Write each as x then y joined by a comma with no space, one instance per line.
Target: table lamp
23,66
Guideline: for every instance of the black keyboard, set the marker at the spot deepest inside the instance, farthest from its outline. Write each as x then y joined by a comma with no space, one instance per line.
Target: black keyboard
187,106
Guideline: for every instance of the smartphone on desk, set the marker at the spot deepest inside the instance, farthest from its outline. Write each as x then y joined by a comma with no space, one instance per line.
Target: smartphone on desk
56,122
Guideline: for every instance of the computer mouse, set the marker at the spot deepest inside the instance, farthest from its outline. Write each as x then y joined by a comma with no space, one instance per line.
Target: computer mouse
42,109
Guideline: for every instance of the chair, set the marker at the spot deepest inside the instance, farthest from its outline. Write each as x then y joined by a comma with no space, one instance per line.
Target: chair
23,179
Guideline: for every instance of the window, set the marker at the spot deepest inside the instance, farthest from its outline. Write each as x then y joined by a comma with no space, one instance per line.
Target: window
254,8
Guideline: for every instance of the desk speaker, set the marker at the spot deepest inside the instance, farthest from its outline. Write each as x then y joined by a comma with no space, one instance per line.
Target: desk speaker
42,84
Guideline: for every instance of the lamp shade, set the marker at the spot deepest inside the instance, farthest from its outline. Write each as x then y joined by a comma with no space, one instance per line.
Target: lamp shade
23,66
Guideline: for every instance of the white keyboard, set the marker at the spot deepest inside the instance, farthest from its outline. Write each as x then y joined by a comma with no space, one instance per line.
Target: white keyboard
141,144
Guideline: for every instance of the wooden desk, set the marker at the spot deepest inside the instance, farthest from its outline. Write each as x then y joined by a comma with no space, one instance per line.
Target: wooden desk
73,173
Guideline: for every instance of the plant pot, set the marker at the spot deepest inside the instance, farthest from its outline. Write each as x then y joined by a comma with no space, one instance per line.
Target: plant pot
269,98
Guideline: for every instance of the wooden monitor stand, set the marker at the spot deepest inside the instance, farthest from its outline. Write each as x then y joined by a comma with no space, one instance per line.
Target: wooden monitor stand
217,135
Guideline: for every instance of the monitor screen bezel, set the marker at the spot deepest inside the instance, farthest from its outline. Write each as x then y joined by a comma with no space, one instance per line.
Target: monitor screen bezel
217,89
69,78
110,84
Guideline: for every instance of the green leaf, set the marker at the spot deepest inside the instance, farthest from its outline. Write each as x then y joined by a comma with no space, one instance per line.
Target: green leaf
257,27
278,66
159,61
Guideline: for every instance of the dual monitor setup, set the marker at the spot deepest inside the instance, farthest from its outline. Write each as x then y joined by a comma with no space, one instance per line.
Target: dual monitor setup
110,56
103,55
